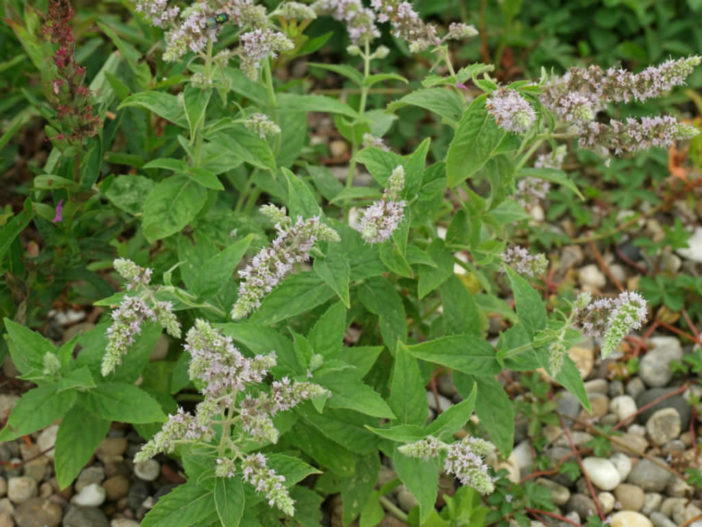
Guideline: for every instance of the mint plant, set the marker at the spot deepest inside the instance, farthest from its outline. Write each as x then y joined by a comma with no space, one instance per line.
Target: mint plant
315,307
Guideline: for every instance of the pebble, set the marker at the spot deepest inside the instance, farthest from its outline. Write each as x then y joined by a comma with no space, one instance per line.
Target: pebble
150,469
623,406
596,386
47,440
84,517
630,497
7,403
678,487
615,388
123,522
683,513
38,512
607,501
635,387
521,455
405,499
693,251
559,493
670,504
584,359
599,403
582,505
45,490
660,520
138,492
630,519
92,495
445,385
663,426
3,486
21,488
676,401
602,472
652,502
649,476
654,368
88,476
116,487
591,278
6,520
111,448
622,462
6,506
568,404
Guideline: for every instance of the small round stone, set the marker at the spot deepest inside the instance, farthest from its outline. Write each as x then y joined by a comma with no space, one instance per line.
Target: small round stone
591,278
582,505
623,406
84,517
602,472
21,488
607,501
92,495
623,464
6,519
584,359
116,487
660,520
87,476
405,499
663,426
47,440
147,470
559,494
652,502
3,486
629,496
649,476
38,512
123,522
630,519
655,368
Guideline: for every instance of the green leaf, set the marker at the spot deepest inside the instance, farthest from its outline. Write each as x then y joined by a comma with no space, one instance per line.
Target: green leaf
297,294
452,420
493,408
27,347
294,469
326,452
335,271
432,277
129,192
162,104
530,306
136,360
122,402
382,77
408,399
302,201
240,143
195,101
460,310
465,353
554,176
349,392
327,335
229,500
347,71
394,260
78,379
36,409
381,298
170,206
76,442
444,103
12,228
220,268
314,103
569,376
421,478
400,433
185,506
476,140
356,490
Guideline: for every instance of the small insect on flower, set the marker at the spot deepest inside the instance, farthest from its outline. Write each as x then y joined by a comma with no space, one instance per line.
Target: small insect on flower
218,20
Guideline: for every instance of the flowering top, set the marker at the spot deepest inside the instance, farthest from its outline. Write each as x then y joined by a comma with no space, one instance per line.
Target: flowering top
295,11
380,220
133,274
406,24
525,263
291,246
464,459
360,21
613,318
259,44
510,110
261,124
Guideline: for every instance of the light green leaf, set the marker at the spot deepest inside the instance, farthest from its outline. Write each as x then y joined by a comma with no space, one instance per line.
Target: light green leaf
408,398
185,506
381,298
348,392
452,420
347,71
356,490
465,353
229,500
460,310
530,306
314,103
327,335
27,347
162,104
170,206
302,201
382,77
195,101
37,408
76,442
444,103
122,402
400,433
128,192
554,176
220,268
294,469
421,478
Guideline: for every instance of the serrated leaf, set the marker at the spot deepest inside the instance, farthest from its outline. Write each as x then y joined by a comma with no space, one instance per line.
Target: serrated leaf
76,442
185,506
452,420
530,307
408,398
465,353
170,206
162,104
421,478
37,408
123,403
27,347
442,102
229,501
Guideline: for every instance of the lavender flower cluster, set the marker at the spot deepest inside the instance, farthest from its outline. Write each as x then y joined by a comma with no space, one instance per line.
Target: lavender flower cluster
525,263
463,459
511,111
382,217
611,319
262,125
580,94
359,20
222,372
132,312
291,246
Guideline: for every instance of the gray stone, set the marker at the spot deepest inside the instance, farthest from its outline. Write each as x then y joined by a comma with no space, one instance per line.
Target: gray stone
445,385
85,517
635,387
3,487
616,388
88,476
630,497
559,494
623,406
7,403
676,401
670,504
21,489
123,522
693,251
581,504
663,426
405,499
654,368
596,386
568,404
138,492
147,470
47,440
444,402
649,476
38,512
659,520
678,487
652,502
607,501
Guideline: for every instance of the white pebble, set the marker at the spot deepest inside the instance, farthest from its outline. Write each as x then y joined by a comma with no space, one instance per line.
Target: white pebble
147,470
602,472
92,495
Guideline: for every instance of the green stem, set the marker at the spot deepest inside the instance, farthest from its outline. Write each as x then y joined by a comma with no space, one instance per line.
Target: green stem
393,509
197,133
361,112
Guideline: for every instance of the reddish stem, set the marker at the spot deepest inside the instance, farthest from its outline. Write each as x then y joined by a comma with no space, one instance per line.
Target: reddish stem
539,512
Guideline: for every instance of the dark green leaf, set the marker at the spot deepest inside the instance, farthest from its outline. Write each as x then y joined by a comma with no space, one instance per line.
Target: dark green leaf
170,206
162,104
37,408
186,505
465,353
122,402
460,310
229,500
408,399
530,306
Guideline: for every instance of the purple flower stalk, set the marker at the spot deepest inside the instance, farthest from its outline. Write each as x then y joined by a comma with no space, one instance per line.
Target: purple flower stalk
134,275
267,482
370,140
381,219
359,20
406,24
525,263
262,125
531,191
552,159
58,217
272,264
126,324
511,111
619,137
259,44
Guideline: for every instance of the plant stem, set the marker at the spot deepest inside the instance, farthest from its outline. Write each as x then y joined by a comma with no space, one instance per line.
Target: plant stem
393,509
197,133
361,112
